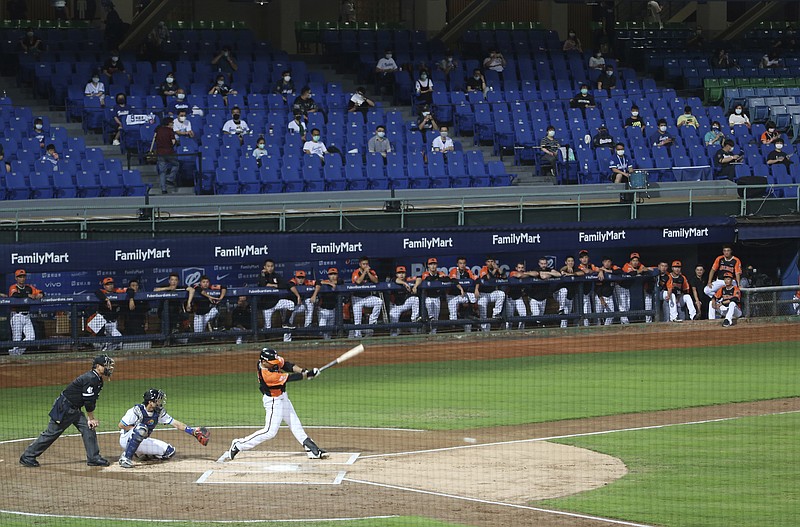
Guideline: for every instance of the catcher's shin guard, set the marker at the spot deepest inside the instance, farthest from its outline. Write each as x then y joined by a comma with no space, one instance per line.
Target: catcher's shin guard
312,450
138,434
168,453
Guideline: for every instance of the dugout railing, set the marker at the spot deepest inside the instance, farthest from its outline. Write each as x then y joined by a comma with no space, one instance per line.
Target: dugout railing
70,314
771,301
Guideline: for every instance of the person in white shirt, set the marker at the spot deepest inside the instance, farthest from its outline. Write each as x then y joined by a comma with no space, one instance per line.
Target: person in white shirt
315,146
360,103
385,70
654,8
424,88
95,88
770,60
260,150
495,61
182,126
235,125
298,126
443,143
597,62
739,117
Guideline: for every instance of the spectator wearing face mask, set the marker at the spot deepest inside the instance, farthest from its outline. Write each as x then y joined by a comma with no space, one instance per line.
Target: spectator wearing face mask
119,113
726,160
95,88
222,88
477,82
597,62
687,119
182,126
635,120
179,103
385,71
298,126
113,65
583,99
169,87
360,103
424,88
739,117
448,64
426,121
662,138
31,44
260,150
495,61
236,125
573,43
771,134
607,80
603,138
379,143
620,165
39,132
285,86
443,143
225,63
315,147
715,135
549,146
778,155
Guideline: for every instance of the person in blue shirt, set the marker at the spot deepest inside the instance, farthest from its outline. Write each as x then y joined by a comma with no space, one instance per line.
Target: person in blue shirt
621,166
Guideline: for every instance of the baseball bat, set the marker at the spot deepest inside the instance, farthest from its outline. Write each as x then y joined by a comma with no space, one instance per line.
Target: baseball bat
343,357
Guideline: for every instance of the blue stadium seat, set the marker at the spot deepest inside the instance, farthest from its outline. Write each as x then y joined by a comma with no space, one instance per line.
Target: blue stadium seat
132,182
87,184
111,183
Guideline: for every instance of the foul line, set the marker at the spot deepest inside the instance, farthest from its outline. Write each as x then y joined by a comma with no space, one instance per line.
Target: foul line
502,504
144,520
568,436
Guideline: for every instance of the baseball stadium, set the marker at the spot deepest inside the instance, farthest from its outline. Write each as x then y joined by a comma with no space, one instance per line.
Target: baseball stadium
399,263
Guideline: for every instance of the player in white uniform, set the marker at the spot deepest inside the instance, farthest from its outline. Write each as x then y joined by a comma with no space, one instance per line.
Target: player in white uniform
273,374
20,316
138,423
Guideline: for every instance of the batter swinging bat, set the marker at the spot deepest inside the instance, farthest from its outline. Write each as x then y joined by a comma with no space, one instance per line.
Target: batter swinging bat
343,357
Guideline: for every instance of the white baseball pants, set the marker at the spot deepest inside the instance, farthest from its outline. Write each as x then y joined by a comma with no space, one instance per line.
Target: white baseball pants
675,306
21,324
496,296
453,301
278,409
623,301
284,304
200,321
516,306
728,312
538,307
365,302
564,303
648,304
587,307
148,447
307,308
411,304
716,285
326,317
604,304
433,306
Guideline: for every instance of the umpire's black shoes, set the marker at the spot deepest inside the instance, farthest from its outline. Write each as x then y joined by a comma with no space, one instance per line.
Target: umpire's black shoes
99,462
28,462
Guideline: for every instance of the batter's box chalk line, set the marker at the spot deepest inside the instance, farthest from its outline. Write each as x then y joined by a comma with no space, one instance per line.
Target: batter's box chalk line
270,456
278,468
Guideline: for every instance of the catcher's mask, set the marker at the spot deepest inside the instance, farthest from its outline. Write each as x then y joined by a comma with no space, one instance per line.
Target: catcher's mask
107,363
274,360
155,395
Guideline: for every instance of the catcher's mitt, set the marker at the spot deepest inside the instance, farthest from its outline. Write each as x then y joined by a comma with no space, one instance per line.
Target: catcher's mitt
202,434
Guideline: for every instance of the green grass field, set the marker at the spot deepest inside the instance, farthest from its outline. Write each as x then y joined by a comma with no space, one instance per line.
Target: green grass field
665,463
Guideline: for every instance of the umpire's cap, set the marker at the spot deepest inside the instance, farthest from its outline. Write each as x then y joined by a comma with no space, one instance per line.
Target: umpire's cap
106,361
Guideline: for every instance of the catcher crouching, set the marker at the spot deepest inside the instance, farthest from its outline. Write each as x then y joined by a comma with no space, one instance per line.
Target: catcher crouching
138,424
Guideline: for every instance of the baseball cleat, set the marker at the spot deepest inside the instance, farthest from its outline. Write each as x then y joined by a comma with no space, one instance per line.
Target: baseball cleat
125,462
313,451
726,323
233,450
99,462
28,462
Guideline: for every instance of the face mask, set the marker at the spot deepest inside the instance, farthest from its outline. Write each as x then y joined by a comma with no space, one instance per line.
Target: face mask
635,114
315,138
599,55
620,153
114,59
181,118
287,78
262,146
170,79
551,133
772,130
236,117
662,128
609,73
388,55
38,126
426,114
381,134
778,146
121,102
716,128
476,77
584,91
220,83
738,111
95,79
443,134
181,96
449,59
423,76
572,35
687,113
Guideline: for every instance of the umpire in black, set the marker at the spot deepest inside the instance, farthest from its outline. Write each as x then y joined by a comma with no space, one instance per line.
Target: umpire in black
66,411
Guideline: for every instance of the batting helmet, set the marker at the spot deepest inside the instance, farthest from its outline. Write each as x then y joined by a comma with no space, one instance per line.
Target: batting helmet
105,361
275,361
156,395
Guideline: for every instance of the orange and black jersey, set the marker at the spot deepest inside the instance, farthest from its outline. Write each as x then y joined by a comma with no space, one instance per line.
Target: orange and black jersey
328,297
632,271
273,383
102,307
461,274
730,265
366,281
606,287
589,268
294,282
677,284
437,276
26,291
486,276
271,280
399,296
515,290
732,293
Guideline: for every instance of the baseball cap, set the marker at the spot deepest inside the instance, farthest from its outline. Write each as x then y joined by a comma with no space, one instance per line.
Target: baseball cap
300,272
400,269
20,272
676,263
333,270
582,252
432,260
108,280
634,255
727,274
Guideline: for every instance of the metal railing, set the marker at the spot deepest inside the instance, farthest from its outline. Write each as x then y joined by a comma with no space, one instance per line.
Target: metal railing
770,301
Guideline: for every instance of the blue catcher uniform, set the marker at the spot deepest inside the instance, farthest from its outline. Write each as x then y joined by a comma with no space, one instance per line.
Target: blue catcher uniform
137,440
